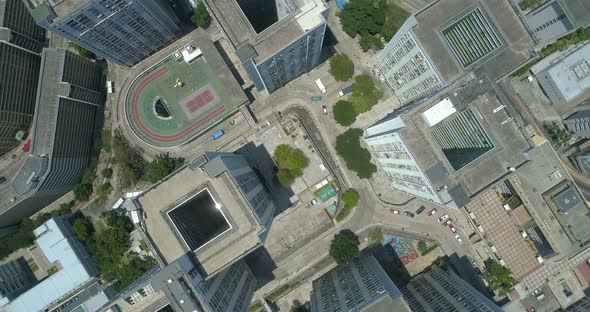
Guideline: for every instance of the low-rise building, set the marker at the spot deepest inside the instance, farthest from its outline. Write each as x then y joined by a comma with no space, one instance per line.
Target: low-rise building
565,75
63,250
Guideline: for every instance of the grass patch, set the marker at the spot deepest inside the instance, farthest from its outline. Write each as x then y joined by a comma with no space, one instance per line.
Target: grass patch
255,306
424,250
278,292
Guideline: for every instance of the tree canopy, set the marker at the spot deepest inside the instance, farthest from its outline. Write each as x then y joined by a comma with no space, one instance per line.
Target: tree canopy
344,113
129,160
499,278
82,51
357,158
82,192
558,135
364,94
83,229
344,247
341,67
350,197
374,21
162,166
200,16
291,162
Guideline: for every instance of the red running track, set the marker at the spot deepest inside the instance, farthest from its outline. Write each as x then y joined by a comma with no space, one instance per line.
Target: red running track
157,137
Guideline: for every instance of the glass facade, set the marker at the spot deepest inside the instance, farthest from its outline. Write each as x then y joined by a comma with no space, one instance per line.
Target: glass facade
291,62
122,31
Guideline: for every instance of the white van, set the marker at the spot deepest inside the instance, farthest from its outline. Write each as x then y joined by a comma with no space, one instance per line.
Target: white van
320,85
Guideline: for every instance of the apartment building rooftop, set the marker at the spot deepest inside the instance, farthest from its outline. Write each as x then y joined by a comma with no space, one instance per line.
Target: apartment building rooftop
201,210
265,28
496,41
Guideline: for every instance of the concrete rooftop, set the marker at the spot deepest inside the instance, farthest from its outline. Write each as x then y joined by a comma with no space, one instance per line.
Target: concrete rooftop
533,183
509,143
440,15
219,252
274,38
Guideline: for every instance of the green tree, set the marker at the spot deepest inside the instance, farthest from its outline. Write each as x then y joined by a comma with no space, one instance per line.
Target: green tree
395,17
364,94
363,16
82,192
282,153
200,16
357,158
350,197
129,160
133,267
341,67
105,139
103,190
291,162
369,42
344,247
557,134
422,248
162,166
344,113
284,177
499,278
106,173
83,229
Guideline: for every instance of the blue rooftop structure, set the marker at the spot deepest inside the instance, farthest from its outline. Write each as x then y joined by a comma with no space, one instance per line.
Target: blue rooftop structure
59,245
341,3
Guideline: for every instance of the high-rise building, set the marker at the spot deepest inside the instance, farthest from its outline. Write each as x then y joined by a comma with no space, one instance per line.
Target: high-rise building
15,278
438,290
448,148
21,42
181,287
276,40
447,39
69,104
122,31
62,249
360,285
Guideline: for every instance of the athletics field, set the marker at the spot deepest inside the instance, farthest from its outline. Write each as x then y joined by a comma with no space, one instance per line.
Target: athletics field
172,102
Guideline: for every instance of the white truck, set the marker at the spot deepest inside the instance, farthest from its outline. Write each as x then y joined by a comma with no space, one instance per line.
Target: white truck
320,85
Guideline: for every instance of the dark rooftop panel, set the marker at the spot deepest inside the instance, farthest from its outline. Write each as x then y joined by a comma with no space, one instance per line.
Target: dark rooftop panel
198,221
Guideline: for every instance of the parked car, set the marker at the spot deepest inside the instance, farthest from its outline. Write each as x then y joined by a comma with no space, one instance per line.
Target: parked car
433,211
459,239
443,218
449,222
345,91
324,110
393,211
453,229
409,214
420,210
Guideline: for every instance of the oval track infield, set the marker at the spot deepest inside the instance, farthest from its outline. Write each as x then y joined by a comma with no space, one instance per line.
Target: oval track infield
155,137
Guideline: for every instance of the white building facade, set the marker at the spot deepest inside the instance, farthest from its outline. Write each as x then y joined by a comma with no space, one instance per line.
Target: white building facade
406,67
393,156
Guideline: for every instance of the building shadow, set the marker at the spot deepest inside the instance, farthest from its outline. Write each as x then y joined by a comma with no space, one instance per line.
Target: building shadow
262,163
391,263
329,45
262,265
461,265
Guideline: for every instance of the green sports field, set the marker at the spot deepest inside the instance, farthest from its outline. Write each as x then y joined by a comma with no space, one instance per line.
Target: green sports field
188,120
